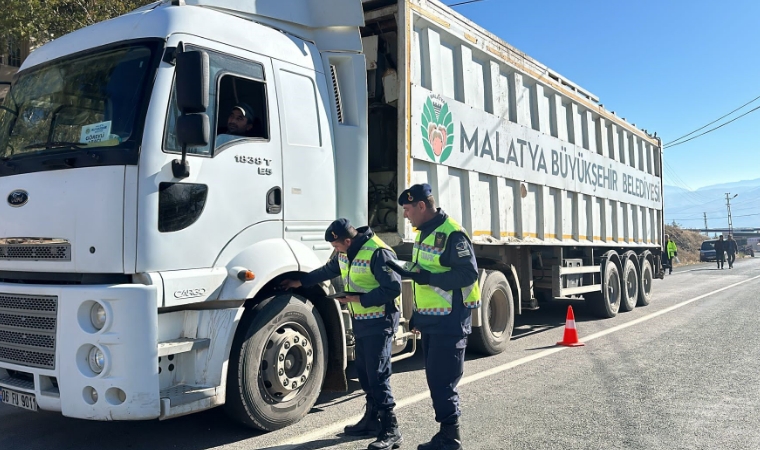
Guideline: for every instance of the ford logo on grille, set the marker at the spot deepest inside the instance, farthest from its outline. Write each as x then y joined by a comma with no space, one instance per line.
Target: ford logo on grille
18,198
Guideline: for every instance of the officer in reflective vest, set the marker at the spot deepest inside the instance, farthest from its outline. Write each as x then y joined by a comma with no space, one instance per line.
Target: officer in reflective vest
374,304
445,292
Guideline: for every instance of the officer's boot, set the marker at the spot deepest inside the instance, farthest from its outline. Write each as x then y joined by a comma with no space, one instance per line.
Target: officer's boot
446,439
389,436
369,425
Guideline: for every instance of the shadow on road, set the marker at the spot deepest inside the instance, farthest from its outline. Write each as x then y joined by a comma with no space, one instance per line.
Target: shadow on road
330,442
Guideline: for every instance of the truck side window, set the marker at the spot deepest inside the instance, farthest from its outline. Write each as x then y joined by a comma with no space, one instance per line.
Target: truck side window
242,110
238,87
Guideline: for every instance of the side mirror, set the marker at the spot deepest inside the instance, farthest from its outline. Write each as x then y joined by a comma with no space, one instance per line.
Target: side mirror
192,81
192,84
193,130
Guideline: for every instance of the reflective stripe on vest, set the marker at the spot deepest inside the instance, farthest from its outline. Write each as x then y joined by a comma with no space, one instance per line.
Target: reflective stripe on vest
431,300
358,278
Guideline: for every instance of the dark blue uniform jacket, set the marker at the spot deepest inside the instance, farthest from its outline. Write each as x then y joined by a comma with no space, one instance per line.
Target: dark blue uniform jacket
464,272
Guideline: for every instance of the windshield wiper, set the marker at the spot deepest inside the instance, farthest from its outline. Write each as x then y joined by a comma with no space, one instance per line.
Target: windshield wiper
56,144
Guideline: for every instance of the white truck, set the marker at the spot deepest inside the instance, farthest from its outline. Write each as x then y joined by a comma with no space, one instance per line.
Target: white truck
141,250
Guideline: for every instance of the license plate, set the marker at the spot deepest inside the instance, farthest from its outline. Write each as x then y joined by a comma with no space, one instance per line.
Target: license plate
19,399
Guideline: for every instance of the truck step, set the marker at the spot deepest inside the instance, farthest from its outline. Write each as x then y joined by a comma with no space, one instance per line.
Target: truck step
181,345
183,394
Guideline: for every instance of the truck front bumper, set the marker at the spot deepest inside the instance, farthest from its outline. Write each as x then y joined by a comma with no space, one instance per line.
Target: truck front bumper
47,337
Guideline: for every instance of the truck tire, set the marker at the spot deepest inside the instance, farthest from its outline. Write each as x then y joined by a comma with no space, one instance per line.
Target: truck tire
645,288
631,285
606,303
281,346
498,312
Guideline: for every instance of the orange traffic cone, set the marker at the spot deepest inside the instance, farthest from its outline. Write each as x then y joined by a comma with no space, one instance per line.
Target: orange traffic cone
571,334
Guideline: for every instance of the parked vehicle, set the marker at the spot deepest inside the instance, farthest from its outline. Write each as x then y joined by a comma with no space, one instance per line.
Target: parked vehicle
140,259
752,247
707,250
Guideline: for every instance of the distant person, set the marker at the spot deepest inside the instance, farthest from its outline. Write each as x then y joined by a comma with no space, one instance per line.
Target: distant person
240,123
720,248
671,251
732,248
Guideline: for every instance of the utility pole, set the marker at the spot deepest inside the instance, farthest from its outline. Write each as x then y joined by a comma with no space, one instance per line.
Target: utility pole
728,207
706,228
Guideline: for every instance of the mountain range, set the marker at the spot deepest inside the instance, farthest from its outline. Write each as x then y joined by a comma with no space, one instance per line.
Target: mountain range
688,207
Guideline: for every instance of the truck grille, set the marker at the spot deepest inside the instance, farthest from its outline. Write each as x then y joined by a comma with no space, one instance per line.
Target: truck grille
44,252
27,329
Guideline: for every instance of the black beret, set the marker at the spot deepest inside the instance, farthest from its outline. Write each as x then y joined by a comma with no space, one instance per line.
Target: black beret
338,230
414,194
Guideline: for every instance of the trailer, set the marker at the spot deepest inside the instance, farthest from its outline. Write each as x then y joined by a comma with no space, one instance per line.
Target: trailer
154,290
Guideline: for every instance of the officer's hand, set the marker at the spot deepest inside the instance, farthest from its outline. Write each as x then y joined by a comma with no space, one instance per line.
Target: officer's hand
290,284
350,299
422,277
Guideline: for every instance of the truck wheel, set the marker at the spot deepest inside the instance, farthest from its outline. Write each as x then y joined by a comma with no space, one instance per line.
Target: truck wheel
630,285
498,313
606,303
277,364
645,289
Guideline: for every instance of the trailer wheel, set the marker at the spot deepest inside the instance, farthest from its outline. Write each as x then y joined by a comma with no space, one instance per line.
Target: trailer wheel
645,289
606,303
497,309
277,364
630,284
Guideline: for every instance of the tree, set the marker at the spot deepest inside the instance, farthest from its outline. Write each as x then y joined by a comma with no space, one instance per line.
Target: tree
43,20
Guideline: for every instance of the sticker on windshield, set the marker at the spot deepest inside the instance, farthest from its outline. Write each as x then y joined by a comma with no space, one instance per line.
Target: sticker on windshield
95,132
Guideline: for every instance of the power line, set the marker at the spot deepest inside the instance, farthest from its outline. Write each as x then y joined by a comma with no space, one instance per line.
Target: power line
712,129
705,126
710,218
745,195
464,3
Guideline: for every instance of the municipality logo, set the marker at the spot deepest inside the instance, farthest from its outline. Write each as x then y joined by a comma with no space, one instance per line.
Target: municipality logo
437,129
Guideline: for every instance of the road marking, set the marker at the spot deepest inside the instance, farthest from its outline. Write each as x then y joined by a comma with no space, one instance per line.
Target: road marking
338,427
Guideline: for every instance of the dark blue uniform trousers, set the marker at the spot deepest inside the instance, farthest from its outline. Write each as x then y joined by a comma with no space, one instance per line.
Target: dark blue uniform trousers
373,366
444,366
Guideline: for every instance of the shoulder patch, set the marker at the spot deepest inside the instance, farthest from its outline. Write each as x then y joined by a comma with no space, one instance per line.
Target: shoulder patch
440,240
462,245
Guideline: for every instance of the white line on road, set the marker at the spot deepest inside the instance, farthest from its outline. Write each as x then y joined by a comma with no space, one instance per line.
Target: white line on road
338,426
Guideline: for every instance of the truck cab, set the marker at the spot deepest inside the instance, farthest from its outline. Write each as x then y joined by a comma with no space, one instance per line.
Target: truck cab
144,234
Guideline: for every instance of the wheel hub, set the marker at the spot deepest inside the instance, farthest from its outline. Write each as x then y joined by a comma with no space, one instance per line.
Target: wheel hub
497,313
631,282
613,289
287,362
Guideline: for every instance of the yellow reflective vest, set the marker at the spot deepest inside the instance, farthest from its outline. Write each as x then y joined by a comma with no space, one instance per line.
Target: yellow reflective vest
358,278
671,249
431,300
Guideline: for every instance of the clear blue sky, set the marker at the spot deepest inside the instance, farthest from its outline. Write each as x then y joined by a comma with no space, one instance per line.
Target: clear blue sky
667,66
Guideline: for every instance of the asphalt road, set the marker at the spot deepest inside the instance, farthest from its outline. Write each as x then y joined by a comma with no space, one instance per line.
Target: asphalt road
681,373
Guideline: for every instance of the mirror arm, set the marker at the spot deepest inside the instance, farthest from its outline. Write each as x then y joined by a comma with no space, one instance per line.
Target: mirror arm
181,168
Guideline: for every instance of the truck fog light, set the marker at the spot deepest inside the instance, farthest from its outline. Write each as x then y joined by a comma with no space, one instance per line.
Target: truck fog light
90,395
96,359
98,316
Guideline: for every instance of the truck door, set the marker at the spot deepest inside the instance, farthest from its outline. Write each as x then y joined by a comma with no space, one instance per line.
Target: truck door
233,196
309,183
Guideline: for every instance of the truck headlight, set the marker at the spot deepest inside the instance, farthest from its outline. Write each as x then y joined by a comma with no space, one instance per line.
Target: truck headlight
98,316
96,359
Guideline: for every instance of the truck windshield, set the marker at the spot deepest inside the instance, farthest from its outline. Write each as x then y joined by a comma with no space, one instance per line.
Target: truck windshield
93,101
